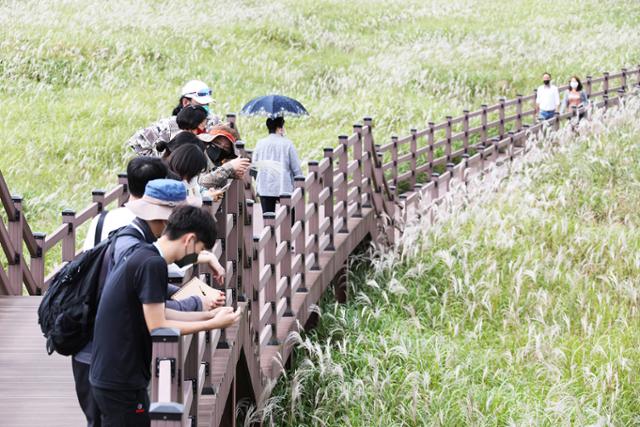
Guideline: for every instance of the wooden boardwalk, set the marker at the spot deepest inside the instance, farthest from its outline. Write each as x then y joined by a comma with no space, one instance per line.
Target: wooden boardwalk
35,389
278,265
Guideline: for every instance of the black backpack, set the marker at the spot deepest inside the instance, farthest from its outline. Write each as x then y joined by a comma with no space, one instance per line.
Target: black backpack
68,309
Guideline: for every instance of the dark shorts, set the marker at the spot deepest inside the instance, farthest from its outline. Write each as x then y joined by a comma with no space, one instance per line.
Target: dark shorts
122,408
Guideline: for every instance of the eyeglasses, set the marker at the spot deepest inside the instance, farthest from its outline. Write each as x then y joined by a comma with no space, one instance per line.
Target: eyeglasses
202,92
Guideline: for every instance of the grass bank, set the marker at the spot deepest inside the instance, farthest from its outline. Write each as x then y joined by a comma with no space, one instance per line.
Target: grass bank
518,308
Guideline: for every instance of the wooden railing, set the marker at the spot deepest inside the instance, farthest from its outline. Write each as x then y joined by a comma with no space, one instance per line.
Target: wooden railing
273,260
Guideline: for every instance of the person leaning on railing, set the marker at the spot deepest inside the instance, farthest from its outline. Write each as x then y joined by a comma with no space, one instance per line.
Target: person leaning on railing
144,176
223,160
547,99
132,305
197,93
575,97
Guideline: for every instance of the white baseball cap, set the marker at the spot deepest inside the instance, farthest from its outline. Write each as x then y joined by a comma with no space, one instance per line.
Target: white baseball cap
197,90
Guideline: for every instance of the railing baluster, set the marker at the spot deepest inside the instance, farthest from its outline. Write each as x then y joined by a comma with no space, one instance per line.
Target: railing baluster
301,239
414,156
285,265
343,189
357,175
328,204
465,129
271,288
314,221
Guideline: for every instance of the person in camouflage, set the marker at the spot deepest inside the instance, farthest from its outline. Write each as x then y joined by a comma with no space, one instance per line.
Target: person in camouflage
195,92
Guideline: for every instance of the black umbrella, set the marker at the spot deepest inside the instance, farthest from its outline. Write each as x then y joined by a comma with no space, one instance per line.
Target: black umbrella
273,106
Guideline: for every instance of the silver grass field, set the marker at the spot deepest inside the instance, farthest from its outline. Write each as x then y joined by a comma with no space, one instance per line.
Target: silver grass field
519,307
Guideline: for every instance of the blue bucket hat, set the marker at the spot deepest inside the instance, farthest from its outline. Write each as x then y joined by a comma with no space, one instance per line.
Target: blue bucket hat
160,197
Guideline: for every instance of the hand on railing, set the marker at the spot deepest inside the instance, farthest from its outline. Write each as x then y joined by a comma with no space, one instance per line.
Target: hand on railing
223,317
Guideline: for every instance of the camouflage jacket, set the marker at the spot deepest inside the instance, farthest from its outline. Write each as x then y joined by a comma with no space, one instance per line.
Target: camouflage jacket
217,177
144,141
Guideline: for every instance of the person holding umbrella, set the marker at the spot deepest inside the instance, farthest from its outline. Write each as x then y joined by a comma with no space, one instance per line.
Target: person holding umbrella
271,182
275,156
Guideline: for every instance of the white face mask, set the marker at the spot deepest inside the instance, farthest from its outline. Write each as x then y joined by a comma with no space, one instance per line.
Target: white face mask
573,84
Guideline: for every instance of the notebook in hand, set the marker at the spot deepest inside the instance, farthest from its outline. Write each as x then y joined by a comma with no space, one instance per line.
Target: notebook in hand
195,287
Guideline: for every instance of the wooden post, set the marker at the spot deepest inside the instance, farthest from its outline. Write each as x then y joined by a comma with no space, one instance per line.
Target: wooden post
371,160
501,117
285,264
447,148
414,156
450,167
15,267
327,178
484,124
69,239
233,239
623,79
465,169
436,191
37,263
357,175
221,221
589,86
231,119
167,408
605,83
191,372
465,129
301,242
343,189
271,288
519,113
431,142
511,144
314,221
535,106
122,180
394,160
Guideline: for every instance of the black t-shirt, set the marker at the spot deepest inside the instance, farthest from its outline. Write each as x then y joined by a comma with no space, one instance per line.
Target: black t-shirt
121,340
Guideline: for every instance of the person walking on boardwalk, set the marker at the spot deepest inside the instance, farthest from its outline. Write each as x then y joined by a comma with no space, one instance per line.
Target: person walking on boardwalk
547,99
132,305
575,97
278,164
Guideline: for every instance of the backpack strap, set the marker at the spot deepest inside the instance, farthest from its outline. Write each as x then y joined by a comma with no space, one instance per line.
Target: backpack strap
98,237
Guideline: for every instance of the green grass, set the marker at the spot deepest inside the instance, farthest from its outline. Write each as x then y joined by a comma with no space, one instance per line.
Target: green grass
78,78
517,310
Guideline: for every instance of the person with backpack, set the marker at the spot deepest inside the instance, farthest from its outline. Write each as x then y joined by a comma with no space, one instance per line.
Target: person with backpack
132,305
144,225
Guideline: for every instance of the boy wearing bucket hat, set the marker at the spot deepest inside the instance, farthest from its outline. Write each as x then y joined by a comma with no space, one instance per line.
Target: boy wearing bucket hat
196,93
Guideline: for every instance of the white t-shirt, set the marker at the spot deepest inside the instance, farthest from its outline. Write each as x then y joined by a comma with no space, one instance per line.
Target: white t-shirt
113,220
548,98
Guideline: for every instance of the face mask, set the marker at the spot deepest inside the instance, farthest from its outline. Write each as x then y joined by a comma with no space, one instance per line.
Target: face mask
574,85
206,108
188,259
546,82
